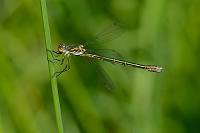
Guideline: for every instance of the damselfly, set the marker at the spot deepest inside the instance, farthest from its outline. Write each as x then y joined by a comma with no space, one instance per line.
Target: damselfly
110,33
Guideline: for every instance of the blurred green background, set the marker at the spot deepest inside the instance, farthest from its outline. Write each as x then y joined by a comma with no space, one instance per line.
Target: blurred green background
164,32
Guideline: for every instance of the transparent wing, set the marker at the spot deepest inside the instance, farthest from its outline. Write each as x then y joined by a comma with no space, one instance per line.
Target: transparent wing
110,33
105,52
103,75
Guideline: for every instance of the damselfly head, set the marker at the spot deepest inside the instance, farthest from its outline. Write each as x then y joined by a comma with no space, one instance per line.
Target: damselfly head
61,48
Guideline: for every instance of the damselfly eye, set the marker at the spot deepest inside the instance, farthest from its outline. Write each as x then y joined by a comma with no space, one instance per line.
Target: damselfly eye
61,47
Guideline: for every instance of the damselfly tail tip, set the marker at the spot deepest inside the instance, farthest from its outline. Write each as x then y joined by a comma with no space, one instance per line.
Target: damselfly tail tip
159,69
152,68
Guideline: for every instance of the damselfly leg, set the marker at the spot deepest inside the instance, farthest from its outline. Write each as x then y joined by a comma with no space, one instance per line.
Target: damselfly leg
67,67
60,62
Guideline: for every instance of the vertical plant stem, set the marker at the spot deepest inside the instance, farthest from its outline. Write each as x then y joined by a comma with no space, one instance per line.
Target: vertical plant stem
51,67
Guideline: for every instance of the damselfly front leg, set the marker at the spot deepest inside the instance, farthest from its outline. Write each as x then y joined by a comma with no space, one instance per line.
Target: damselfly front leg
56,54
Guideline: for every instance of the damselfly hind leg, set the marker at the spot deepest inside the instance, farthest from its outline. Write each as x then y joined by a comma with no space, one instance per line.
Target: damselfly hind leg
67,67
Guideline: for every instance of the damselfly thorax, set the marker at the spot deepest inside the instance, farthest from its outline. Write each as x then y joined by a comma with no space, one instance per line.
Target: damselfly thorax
76,50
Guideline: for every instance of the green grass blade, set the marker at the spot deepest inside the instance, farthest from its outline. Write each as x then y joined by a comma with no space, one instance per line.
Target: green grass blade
51,67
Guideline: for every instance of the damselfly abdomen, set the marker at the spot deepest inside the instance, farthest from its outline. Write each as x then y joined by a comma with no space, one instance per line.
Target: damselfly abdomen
110,33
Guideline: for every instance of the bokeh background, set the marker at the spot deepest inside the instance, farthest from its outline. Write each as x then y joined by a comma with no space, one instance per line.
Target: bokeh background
164,32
